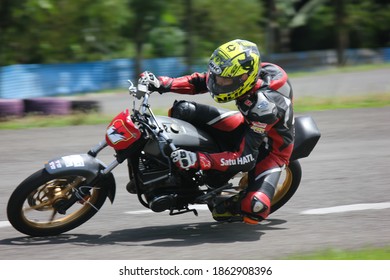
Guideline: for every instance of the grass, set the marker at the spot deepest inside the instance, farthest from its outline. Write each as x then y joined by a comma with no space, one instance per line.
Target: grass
332,70
360,254
31,121
352,102
303,104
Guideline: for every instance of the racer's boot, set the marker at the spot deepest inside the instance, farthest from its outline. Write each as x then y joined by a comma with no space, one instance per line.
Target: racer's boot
227,209
255,207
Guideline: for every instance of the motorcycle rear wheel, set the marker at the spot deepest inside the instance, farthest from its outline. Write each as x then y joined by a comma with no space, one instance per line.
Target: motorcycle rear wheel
30,208
286,188
288,185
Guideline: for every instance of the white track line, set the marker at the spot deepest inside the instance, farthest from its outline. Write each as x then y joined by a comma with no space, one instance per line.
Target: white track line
4,224
319,211
147,211
347,208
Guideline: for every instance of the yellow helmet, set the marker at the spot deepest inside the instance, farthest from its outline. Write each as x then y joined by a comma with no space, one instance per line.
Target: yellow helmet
233,70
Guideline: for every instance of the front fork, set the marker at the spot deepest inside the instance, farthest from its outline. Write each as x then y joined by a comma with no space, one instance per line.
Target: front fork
97,149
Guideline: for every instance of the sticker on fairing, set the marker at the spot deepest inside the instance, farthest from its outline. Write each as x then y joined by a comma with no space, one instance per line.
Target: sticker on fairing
73,161
55,164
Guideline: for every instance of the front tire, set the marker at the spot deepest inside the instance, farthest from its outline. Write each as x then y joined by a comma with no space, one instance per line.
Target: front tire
30,208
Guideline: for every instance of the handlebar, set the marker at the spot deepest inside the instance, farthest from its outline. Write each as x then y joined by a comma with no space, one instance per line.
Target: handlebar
142,91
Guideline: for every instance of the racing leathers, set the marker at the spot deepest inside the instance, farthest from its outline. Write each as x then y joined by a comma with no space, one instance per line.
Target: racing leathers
258,138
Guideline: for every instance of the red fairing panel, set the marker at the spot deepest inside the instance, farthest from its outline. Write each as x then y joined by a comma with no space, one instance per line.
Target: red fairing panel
122,132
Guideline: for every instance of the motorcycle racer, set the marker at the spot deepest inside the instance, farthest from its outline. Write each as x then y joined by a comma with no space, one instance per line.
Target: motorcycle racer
258,138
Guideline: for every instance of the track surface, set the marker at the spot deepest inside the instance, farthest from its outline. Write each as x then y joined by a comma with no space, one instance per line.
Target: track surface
349,166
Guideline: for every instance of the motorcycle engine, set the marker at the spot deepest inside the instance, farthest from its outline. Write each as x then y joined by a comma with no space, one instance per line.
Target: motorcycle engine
162,190
160,203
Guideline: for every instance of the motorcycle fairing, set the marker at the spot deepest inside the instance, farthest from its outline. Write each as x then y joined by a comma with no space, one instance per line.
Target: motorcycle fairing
122,132
83,164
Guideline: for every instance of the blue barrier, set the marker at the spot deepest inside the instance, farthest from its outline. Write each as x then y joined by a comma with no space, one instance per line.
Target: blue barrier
37,80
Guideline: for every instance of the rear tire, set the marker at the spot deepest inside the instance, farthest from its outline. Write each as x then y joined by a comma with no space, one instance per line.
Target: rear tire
30,208
287,186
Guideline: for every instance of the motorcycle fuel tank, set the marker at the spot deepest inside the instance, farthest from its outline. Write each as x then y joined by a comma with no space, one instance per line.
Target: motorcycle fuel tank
184,135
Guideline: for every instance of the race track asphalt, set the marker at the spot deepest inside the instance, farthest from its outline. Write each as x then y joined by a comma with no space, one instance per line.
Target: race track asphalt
343,201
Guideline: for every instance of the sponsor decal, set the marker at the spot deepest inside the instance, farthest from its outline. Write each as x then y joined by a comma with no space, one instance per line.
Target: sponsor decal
231,48
258,127
69,161
118,132
215,68
248,103
238,161
73,161
263,105
204,162
55,164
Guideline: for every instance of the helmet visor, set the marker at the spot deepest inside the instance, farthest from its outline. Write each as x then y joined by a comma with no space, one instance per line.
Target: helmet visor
217,84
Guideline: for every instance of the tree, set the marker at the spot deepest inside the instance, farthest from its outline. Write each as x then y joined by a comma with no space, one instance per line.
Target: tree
341,24
283,16
219,21
146,15
44,31
197,27
341,30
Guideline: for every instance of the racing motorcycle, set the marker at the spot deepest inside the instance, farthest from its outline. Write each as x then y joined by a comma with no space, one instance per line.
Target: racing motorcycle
70,189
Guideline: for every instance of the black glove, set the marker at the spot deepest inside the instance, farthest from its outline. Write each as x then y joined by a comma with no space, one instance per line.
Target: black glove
149,80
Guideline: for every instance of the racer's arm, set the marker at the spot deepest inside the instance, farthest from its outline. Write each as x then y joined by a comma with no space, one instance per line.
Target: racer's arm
243,159
190,84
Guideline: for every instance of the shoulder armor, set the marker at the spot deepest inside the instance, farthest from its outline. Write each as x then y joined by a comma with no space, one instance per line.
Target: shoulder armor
276,78
264,110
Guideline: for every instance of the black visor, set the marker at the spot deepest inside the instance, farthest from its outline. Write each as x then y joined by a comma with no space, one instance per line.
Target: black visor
216,89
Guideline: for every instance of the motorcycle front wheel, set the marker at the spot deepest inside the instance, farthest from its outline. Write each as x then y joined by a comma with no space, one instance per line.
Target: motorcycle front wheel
31,209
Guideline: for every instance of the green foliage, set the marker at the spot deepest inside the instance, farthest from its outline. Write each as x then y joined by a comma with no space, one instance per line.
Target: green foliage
48,31
367,24
44,31
167,41
220,21
337,254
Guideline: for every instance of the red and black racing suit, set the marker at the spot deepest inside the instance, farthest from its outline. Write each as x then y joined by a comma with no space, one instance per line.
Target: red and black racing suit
259,137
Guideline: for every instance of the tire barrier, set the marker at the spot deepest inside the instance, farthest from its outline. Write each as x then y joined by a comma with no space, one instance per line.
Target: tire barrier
11,108
85,106
47,106
17,108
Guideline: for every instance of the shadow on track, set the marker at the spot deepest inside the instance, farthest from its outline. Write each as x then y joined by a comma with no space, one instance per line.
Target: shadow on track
190,234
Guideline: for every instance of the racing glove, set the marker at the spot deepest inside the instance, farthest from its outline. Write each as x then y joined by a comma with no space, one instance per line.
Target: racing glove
186,160
153,83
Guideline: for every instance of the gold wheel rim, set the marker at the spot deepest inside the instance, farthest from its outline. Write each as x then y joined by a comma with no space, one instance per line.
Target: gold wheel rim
283,186
50,218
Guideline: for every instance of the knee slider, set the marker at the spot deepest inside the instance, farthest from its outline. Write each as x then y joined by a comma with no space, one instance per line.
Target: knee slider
183,110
